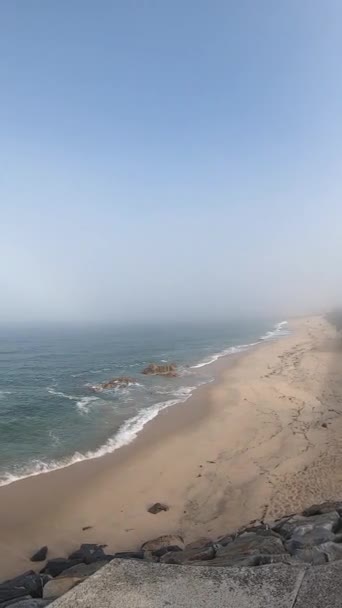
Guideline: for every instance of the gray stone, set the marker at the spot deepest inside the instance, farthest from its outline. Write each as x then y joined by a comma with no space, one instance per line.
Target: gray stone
200,543
28,583
57,565
163,541
40,555
128,584
83,570
29,602
247,550
309,530
324,507
58,586
188,555
130,555
321,587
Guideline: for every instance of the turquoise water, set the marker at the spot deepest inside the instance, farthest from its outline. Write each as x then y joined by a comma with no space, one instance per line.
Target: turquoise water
50,417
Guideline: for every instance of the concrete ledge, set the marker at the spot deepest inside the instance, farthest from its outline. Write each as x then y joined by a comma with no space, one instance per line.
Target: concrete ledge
136,584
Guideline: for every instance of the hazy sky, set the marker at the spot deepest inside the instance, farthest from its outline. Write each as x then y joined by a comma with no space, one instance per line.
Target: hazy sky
169,158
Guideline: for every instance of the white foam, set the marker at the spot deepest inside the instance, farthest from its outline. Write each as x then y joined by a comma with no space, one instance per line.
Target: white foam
3,393
127,433
278,330
52,391
84,404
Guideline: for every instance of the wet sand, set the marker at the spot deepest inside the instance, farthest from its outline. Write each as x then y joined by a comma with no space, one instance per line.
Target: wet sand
249,446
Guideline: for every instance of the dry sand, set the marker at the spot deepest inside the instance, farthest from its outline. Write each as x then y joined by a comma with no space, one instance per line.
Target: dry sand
250,446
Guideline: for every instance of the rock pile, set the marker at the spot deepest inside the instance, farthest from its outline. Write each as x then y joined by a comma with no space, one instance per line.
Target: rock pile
169,370
313,537
120,382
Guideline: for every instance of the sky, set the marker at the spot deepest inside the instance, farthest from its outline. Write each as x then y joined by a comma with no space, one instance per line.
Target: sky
169,160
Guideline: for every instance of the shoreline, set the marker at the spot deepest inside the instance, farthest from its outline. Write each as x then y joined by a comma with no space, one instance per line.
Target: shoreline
215,460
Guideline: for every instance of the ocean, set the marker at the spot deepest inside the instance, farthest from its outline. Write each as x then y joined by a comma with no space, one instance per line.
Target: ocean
49,415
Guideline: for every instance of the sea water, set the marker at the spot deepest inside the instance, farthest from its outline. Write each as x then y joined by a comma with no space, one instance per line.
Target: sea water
49,415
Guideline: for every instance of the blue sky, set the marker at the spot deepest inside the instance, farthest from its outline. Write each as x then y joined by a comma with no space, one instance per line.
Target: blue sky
169,159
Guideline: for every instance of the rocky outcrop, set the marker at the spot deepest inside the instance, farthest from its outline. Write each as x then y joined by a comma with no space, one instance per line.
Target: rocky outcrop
40,555
157,508
169,370
120,382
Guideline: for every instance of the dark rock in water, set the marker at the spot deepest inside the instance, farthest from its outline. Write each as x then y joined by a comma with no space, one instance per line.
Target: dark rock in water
88,553
157,508
200,543
324,425
27,602
309,530
57,565
188,555
86,528
40,555
169,370
324,507
120,382
28,583
129,555
167,540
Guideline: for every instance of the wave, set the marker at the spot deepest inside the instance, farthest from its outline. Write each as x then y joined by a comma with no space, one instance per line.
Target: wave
83,404
126,434
278,330
52,391
3,393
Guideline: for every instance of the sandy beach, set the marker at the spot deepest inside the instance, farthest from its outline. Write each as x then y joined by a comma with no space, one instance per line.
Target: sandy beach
261,441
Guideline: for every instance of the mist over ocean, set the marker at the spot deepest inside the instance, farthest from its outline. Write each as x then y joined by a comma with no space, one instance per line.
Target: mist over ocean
50,417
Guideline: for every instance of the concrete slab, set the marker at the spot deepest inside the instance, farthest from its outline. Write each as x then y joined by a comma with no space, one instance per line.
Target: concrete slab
321,587
135,584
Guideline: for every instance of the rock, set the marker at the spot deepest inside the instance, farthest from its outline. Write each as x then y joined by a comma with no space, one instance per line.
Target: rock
27,602
163,550
166,540
57,565
58,586
157,508
129,555
324,425
28,583
83,570
324,507
200,543
169,370
249,549
120,382
88,553
307,531
188,555
40,555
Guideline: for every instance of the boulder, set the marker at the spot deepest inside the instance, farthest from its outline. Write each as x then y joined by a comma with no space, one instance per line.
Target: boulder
157,508
28,583
129,555
58,586
167,540
163,550
307,531
83,570
200,543
249,549
120,382
168,369
27,602
324,507
88,553
188,555
54,567
40,555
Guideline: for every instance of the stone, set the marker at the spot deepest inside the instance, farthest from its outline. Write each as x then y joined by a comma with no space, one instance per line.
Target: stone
27,602
40,555
88,553
28,583
199,543
157,508
320,588
309,530
57,565
83,570
324,507
247,549
188,555
166,540
169,370
127,584
129,555
120,382
163,550
58,586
